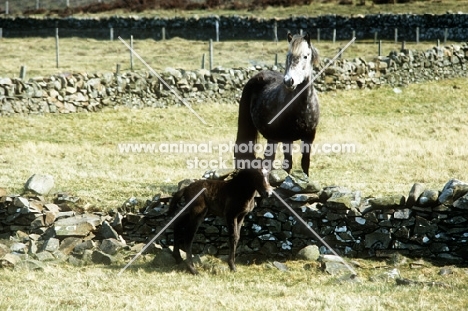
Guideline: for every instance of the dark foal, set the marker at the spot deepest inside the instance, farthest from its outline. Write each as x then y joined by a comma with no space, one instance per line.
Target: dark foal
231,199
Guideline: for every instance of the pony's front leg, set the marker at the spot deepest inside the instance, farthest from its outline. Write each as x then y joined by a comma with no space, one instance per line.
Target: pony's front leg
269,154
287,152
306,149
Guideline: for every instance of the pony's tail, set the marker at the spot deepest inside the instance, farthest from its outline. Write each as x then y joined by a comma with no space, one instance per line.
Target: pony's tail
246,130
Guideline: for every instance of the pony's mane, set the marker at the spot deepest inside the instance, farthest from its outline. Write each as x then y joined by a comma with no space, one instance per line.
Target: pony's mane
296,48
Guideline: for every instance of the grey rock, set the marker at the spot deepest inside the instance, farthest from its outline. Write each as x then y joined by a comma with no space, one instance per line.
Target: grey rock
82,247
77,226
447,194
77,262
402,213
280,266
296,182
51,245
29,265
461,203
99,257
68,245
428,198
40,184
107,231
10,260
4,250
334,268
117,223
20,248
377,240
423,226
45,256
21,202
388,202
414,194
277,177
310,252
111,246
340,201
163,258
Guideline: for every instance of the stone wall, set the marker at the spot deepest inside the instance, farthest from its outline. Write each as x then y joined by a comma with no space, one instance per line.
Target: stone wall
431,27
425,223
77,92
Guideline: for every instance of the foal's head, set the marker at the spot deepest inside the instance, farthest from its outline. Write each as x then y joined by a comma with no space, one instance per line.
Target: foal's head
256,178
299,60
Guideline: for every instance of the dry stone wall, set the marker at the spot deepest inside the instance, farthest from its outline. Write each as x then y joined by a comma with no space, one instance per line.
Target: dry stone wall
78,92
424,223
431,27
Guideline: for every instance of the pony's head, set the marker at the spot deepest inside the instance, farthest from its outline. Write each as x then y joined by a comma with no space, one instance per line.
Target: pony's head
299,60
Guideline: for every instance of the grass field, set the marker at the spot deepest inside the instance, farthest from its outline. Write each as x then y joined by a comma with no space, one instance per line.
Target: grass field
90,55
400,138
256,287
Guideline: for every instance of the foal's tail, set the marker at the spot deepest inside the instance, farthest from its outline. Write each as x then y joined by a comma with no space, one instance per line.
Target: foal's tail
174,206
246,130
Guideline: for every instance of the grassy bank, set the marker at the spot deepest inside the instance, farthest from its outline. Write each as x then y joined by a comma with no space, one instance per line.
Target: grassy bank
399,139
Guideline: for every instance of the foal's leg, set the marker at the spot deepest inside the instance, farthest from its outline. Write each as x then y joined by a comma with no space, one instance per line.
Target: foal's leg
234,224
178,237
193,224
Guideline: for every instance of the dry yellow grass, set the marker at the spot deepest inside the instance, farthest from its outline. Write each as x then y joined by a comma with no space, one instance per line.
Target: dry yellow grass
90,55
258,287
401,138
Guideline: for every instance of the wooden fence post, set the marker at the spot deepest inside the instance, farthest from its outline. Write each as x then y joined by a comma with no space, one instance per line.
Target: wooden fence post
217,30
380,48
417,35
375,37
23,72
111,33
117,69
211,54
396,35
445,35
7,8
57,54
275,32
203,61
163,33
318,34
334,35
131,52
